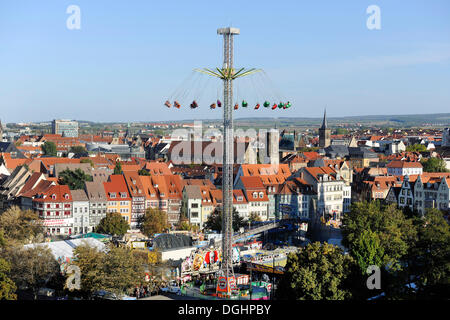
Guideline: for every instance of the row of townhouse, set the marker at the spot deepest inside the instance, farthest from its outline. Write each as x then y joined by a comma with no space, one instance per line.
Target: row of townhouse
200,201
83,209
420,192
333,192
271,176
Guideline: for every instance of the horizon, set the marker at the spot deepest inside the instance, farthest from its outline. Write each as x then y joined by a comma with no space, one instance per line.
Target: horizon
241,118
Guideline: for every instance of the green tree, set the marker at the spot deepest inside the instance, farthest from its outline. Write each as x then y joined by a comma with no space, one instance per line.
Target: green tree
49,149
430,257
118,270
113,224
154,221
143,172
308,149
88,161
74,179
118,168
20,226
78,150
32,268
7,285
417,147
341,131
394,231
214,221
254,217
316,272
367,250
434,165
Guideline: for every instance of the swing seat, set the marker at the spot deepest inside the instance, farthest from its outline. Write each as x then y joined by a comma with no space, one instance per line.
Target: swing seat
244,104
236,106
274,106
194,104
176,105
257,106
266,104
213,106
219,104
167,104
288,105
280,105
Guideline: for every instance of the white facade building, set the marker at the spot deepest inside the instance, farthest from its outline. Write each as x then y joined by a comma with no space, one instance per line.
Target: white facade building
403,168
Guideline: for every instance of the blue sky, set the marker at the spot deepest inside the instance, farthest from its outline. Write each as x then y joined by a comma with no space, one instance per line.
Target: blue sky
129,56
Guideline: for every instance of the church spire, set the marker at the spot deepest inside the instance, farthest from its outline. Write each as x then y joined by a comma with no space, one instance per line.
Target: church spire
324,123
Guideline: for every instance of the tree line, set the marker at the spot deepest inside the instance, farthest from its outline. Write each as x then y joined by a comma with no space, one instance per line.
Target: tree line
411,251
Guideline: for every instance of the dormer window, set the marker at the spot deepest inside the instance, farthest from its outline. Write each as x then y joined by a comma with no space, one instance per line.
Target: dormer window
123,194
255,194
240,198
261,195
54,196
112,194
66,196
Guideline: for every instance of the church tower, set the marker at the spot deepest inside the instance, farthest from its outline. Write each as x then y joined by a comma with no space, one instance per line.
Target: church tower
324,133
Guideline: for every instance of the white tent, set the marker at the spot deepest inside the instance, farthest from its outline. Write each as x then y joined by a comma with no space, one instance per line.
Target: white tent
64,249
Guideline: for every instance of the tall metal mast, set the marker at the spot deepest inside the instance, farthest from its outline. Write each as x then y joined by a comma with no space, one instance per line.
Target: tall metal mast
228,154
227,74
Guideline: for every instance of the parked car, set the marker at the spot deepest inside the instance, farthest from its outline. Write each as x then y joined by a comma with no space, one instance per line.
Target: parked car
172,288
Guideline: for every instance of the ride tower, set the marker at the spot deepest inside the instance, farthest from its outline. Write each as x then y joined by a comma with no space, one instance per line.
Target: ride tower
227,74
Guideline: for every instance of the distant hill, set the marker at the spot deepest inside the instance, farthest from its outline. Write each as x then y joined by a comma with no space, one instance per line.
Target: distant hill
438,119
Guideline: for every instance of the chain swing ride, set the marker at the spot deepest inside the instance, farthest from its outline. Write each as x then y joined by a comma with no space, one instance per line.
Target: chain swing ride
251,82
200,89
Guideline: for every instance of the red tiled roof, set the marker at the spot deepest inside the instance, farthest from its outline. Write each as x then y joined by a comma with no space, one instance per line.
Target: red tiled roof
404,164
116,184
56,193
317,171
